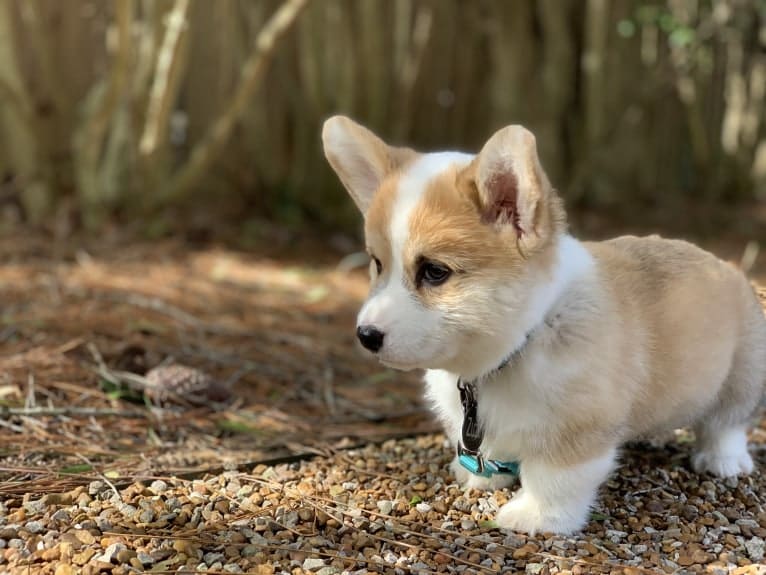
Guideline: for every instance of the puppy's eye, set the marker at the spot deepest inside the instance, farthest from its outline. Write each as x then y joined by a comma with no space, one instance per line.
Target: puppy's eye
433,274
378,265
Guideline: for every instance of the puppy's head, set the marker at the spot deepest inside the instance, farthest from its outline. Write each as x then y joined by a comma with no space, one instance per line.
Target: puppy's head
458,243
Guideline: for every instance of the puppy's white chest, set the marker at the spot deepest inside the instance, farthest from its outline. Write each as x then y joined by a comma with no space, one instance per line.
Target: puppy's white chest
507,405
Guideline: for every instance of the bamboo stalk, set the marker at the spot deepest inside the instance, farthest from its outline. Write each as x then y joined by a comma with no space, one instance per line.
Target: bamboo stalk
268,114
105,98
15,100
412,53
513,53
688,94
39,40
312,72
207,150
558,79
167,79
319,81
596,35
20,124
148,40
373,55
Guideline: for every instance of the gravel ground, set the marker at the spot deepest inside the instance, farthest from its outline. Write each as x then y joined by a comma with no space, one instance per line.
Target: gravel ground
389,508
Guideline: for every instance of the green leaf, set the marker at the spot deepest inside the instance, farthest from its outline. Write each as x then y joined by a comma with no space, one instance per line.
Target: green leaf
317,294
647,14
153,437
682,36
378,377
667,22
233,426
415,500
684,436
125,394
107,386
489,524
626,28
77,468
595,516
116,392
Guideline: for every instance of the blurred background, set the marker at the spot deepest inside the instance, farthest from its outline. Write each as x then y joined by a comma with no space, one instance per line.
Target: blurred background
203,117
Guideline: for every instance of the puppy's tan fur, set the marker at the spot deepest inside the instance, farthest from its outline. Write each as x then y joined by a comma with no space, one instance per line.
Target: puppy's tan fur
615,340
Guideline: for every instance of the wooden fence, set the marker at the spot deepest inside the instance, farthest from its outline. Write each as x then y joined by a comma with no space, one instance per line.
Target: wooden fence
129,106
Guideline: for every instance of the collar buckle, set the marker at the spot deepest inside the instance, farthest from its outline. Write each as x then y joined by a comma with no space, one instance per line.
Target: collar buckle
472,433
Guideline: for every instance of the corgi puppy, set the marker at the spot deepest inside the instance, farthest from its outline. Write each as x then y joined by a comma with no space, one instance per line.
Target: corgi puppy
543,353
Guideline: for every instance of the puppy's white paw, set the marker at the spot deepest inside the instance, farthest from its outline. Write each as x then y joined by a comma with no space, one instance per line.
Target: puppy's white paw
524,513
723,453
723,465
555,498
467,479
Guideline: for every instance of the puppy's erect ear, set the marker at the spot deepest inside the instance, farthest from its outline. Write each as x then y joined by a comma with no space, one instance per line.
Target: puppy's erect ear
359,157
511,183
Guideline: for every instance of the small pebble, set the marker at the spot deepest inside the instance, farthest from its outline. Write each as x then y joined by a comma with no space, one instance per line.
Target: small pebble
756,548
111,552
288,521
158,486
96,487
313,563
145,558
34,526
385,506
423,507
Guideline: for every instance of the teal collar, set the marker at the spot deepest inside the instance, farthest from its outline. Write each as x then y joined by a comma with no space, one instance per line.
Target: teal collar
477,465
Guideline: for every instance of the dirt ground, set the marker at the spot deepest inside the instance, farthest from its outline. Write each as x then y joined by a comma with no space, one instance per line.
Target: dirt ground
276,333
265,336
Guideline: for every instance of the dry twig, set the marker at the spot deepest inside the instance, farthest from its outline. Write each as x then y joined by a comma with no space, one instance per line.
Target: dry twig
253,70
70,412
167,78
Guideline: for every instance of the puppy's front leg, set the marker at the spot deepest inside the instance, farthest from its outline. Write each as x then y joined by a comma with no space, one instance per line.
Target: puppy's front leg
555,498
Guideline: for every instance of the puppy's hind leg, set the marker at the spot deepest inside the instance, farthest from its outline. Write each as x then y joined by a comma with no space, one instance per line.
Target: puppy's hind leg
722,433
722,452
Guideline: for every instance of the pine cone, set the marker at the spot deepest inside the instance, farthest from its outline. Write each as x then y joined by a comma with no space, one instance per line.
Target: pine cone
183,385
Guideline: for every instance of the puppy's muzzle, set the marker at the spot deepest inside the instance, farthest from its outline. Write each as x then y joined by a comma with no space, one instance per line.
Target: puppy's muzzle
370,337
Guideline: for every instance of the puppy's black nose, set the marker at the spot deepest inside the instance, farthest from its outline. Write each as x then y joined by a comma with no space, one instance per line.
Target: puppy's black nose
370,336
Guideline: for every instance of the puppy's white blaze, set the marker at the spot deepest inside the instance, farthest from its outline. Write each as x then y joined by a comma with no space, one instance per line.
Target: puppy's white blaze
412,184
410,328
